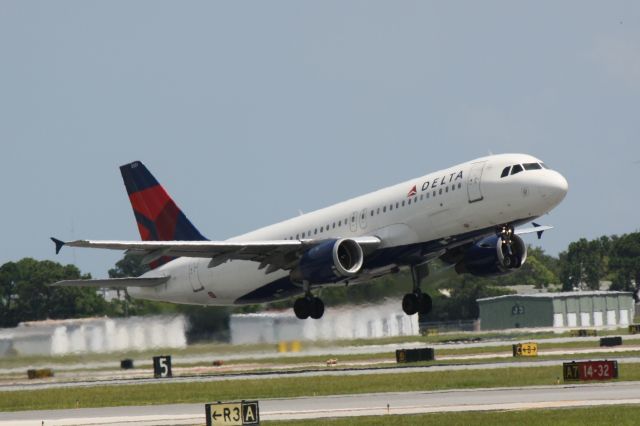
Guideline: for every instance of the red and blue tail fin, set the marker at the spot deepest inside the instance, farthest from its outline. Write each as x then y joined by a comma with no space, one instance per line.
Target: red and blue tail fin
157,215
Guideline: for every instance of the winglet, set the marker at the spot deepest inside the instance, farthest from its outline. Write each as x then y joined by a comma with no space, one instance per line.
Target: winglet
58,244
538,233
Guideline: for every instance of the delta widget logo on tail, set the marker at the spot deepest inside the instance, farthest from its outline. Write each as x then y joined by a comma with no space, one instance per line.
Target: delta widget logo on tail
413,191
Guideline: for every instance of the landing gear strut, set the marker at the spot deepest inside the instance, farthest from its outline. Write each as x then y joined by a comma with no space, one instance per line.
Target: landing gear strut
417,301
308,306
505,232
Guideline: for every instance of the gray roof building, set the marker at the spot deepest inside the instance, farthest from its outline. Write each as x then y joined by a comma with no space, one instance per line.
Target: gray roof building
558,310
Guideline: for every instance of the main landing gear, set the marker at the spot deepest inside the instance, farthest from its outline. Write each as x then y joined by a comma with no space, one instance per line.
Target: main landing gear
309,305
417,301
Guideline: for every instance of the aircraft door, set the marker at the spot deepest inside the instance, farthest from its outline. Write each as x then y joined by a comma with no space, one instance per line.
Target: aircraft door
354,222
473,182
363,219
194,280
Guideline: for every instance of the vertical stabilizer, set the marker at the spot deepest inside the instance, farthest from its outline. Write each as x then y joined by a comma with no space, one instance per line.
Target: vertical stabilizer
157,215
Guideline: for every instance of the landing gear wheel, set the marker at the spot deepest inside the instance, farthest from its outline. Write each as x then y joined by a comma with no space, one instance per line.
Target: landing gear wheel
425,303
309,306
417,301
410,303
317,308
301,308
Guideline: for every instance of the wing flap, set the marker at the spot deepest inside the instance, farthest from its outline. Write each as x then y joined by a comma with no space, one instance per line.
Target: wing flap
113,282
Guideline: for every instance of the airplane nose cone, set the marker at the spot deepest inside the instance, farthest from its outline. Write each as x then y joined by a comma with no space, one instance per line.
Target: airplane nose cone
554,187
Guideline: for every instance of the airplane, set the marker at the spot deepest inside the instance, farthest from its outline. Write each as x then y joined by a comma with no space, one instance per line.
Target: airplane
465,215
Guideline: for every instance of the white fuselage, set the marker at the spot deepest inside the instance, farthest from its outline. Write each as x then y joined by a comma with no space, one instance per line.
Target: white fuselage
466,198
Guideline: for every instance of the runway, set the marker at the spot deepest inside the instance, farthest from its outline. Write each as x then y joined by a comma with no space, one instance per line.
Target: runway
21,386
312,351
559,396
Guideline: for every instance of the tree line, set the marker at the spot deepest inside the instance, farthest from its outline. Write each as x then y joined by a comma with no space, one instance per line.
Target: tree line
25,296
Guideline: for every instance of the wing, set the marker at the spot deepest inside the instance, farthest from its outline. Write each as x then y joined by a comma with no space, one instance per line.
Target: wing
538,229
271,254
113,282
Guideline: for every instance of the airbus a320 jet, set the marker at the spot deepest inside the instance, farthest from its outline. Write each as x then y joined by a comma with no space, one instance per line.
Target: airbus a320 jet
465,215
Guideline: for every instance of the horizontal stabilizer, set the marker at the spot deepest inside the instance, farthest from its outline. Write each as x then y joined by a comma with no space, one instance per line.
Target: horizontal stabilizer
113,282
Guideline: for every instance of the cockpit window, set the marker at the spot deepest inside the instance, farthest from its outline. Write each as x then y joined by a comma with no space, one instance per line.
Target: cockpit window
544,166
516,169
532,166
505,172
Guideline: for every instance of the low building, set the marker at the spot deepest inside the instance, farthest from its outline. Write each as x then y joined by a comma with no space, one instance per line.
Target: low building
557,310
345,322
93,335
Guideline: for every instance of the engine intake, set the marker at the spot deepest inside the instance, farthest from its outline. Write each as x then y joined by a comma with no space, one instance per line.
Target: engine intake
329,261
493,256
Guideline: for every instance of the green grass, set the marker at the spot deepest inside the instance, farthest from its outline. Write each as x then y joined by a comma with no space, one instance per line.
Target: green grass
164,393
618,415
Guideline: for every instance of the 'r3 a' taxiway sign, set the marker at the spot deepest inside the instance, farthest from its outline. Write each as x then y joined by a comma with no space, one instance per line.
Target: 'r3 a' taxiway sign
233,413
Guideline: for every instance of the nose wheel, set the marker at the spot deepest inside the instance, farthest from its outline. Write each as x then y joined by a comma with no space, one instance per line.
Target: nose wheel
417,301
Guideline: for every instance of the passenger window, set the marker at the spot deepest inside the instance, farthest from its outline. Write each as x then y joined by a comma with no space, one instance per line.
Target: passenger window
390,207
434,192
303,235
297,236
397,205
321,229
402,203
427,195
409,202
440,191
421,197
459,185
505,172
516,169
532,166
453,187
415,199
339,223
378,212
371,213
446,189
384,209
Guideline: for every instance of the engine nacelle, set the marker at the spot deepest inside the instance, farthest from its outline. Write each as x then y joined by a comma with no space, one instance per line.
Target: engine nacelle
493,256
330,261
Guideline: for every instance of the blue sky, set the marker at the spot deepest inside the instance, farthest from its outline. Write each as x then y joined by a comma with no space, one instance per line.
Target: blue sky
250,111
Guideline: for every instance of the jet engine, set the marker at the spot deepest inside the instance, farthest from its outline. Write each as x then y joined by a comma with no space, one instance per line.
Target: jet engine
495,255
329,261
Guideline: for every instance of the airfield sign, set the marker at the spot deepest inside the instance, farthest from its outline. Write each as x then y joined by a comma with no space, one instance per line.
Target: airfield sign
233,413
